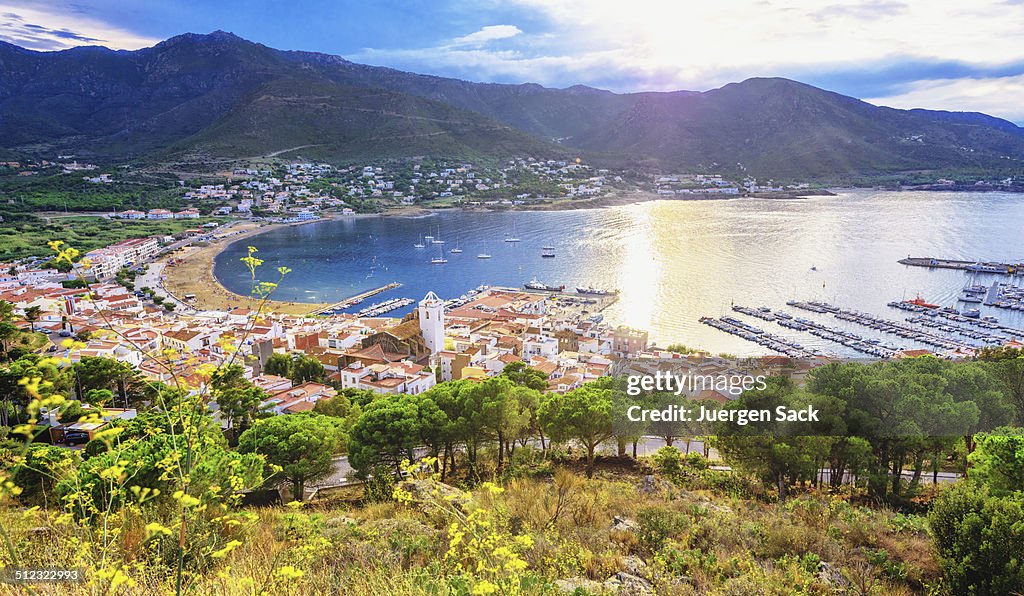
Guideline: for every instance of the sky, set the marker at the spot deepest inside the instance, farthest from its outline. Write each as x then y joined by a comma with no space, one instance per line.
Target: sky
937,54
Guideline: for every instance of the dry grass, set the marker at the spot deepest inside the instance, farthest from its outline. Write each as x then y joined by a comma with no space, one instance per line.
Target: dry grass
691,541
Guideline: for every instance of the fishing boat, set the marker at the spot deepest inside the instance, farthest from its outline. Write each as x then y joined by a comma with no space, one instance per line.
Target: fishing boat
547,252
919,301
533,284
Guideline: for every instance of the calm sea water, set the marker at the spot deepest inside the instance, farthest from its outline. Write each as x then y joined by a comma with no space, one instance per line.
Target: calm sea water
674,261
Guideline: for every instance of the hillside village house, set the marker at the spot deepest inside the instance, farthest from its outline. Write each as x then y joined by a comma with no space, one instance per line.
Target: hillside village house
392,378
301,398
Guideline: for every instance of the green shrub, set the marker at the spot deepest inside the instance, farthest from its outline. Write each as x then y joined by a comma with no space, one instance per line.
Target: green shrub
657,525
668,462
980,540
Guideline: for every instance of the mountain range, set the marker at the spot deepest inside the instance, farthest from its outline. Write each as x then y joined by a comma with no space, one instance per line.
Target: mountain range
219,96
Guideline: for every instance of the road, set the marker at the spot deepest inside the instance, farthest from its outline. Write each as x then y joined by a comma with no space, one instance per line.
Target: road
153,279
343,473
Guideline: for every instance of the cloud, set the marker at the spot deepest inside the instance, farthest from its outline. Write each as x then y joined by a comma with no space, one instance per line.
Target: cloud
868,11
1003,96
55,28
486,34
870,49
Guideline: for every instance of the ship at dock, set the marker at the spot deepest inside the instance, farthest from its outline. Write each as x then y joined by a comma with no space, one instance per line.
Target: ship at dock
533,284
592,291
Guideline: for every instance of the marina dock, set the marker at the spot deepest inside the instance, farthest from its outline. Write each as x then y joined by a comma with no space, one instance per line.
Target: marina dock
347,302
971,266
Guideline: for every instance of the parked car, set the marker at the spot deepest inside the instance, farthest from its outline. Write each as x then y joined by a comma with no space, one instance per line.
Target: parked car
76,437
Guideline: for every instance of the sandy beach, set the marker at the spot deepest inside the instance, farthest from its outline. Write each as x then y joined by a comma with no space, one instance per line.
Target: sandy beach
192,273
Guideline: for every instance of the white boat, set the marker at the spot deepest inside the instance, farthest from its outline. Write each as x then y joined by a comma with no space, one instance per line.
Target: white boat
439,259
548,252
455,250
483,255
513,237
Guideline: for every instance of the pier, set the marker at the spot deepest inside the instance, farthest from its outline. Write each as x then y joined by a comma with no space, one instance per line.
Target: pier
886,326
971,266
351,301
833,334
782,345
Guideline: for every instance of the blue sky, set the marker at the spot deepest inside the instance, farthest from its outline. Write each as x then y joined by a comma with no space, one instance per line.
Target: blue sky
939,54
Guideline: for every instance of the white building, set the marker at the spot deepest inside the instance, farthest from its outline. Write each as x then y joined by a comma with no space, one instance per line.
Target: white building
431,312
106,262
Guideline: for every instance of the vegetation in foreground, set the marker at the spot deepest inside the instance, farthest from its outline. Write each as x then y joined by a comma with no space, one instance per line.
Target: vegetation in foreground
512,496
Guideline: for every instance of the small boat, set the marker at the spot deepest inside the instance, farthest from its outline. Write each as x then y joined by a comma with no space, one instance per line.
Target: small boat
972,313
547,252
919,301
483,255
438,261
455,250
420,243
513,237
428,237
